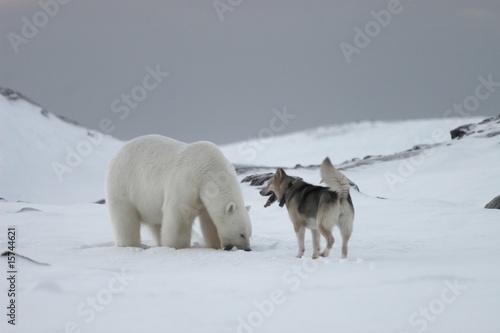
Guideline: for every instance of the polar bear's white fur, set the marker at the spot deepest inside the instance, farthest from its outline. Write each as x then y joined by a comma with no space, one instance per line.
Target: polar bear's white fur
165,184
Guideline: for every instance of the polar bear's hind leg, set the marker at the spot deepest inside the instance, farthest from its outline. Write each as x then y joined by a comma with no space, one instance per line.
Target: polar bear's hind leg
126,224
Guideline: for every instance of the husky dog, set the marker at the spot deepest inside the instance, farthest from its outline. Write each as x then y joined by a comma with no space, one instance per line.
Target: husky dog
314,207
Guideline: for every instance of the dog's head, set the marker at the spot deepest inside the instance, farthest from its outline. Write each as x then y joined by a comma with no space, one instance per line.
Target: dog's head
276,187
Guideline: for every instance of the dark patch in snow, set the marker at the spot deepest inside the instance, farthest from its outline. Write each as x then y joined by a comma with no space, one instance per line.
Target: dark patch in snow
10,253
69,121
492,134
28,209
493,204
258,179
100,202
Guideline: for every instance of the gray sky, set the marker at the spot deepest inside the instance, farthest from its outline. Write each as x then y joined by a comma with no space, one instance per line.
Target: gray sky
228,70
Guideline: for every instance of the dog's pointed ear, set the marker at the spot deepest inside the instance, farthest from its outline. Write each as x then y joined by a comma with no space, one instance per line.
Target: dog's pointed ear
280,173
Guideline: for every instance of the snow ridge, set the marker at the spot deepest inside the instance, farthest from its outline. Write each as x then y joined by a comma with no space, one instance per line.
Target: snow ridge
44,158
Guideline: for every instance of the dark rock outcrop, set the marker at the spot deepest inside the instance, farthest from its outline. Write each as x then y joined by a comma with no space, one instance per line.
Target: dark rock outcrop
260,178
462,131
13,95
493,204
488,128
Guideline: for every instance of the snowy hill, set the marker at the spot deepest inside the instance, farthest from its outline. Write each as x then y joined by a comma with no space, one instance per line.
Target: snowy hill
422,260
343,142
46,159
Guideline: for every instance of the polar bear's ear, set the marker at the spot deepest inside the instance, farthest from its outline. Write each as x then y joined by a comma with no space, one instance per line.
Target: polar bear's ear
230,208
248,208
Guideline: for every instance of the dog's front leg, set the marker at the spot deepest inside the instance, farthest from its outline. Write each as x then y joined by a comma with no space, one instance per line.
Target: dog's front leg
300,231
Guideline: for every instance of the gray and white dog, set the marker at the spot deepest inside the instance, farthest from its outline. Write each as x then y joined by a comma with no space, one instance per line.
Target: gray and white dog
314,207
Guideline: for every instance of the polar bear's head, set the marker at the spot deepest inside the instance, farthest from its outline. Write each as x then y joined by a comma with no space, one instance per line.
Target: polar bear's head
234,227
221,195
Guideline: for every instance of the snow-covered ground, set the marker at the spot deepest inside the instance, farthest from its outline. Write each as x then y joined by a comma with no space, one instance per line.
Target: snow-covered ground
422,260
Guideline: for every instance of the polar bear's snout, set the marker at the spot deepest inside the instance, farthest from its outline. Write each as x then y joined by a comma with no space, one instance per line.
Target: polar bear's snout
231,246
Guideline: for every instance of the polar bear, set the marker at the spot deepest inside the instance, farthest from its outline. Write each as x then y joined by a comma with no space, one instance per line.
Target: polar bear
165,184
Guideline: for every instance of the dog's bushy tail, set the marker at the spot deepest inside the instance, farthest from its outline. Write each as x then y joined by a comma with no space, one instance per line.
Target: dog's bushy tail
334,179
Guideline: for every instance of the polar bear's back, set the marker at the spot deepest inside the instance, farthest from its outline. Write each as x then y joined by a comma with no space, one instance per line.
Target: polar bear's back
137,173
145,156
141,169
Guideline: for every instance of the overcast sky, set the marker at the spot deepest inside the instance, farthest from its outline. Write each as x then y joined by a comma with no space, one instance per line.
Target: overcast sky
225,70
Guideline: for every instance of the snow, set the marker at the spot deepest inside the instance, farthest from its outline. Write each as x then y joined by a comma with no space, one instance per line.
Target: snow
422,260
46,160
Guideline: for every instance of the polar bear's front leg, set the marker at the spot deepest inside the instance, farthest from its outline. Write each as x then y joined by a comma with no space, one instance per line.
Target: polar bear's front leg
176,227
209,230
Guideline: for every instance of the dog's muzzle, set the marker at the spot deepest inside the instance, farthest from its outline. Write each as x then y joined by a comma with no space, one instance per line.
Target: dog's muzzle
272,198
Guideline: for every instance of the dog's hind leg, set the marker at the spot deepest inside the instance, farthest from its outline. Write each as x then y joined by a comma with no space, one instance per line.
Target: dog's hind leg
316,237
345,226
327,233
327,217
300,232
